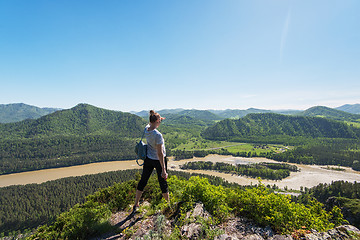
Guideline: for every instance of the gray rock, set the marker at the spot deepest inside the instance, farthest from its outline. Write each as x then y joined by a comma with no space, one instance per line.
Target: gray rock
281,237
226,237
198,211
341,233
192,231
253,237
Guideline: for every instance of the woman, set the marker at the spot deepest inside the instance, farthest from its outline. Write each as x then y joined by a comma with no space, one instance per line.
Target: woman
155,158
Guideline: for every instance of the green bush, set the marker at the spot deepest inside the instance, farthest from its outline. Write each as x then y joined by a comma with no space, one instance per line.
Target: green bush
117,197
80,222
278,211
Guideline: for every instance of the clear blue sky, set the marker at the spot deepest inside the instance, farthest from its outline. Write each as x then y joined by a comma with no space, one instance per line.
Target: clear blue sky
133,55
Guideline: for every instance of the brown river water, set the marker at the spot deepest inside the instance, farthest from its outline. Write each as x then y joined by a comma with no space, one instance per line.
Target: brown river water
309,176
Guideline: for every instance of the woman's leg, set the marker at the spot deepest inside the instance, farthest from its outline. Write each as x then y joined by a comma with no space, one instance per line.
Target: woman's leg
146,173
162,181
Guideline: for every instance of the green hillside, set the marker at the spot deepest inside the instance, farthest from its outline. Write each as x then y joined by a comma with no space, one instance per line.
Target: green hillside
18,111
203,115
176,121
320,111
270,126
83,119
350,108
79,135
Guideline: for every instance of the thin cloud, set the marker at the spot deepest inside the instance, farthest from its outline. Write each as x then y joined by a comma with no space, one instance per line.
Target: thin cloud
284,34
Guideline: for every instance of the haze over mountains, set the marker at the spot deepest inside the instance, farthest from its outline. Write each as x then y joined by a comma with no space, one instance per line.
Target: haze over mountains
19,111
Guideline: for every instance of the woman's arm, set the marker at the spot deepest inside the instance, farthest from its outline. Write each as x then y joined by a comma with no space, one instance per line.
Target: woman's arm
162,160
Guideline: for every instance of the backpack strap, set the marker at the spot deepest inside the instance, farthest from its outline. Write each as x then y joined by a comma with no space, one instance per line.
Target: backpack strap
143,134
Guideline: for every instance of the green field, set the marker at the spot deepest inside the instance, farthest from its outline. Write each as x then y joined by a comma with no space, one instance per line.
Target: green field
202,144
258,148
194,144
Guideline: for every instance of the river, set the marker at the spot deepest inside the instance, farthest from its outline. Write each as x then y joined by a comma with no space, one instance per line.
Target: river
309,176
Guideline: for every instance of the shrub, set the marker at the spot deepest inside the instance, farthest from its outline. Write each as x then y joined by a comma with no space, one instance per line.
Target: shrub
278,211
80,222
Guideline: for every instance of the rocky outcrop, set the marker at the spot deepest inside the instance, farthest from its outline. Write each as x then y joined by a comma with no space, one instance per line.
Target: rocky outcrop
198,225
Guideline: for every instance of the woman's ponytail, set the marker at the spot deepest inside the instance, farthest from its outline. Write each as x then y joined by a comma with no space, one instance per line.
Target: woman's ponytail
154,116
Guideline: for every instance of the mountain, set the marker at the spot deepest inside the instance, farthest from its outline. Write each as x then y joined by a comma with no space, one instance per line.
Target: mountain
204,115
270,125
338,114
80,135
287,112
145,113
236,113
19,111
321,111
171,111
177,120
350,108
80,120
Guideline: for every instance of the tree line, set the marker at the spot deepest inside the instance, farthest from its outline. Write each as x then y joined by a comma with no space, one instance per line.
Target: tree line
343,152
273,171
345,195
38,153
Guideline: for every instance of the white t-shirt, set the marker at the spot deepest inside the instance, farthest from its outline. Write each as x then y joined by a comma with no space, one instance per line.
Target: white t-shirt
153,138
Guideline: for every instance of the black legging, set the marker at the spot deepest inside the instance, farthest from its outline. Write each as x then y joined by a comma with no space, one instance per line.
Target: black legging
149,165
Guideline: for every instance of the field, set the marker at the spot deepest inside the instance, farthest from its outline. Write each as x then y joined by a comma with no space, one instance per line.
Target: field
232,147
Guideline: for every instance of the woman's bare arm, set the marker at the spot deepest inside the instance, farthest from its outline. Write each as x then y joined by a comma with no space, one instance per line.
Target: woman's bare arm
162,160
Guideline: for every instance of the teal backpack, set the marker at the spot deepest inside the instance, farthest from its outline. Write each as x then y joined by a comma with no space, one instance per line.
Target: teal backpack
141,150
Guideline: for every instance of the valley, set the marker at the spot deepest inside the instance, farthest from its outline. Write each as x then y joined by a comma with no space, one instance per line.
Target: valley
308,176
75,152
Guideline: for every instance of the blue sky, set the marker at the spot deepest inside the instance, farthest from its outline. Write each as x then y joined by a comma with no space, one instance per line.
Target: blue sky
132,55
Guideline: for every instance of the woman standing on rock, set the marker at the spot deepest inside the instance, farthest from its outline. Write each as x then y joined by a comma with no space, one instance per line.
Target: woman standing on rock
156,158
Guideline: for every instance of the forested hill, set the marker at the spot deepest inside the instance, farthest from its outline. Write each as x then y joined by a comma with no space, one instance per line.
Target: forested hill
321,111
83,119
80,135
350,108
270,125
19,111
204,115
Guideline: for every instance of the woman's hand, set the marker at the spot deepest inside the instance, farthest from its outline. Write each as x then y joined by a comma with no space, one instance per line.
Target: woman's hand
164,174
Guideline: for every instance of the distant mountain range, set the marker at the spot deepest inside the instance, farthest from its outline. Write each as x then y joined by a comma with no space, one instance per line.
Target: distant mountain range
19,111
347,114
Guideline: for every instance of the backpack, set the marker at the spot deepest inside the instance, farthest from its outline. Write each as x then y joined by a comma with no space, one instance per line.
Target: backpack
141,150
